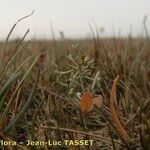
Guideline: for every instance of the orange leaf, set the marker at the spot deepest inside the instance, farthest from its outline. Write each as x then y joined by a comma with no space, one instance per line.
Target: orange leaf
98,101
86,102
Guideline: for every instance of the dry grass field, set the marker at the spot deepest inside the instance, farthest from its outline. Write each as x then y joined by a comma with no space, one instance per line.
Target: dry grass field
92,89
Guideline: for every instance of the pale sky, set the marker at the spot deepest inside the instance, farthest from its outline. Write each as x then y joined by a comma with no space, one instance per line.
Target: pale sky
72,17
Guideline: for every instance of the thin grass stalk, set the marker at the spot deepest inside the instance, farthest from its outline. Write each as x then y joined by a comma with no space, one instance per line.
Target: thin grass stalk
18,71
84,133
111,136
26,106
9,34
10,60
8,84
16,90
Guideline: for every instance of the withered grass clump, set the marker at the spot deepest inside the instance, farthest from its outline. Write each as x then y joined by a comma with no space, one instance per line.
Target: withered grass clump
40,92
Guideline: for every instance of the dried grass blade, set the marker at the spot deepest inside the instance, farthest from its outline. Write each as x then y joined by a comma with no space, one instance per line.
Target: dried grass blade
117,123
